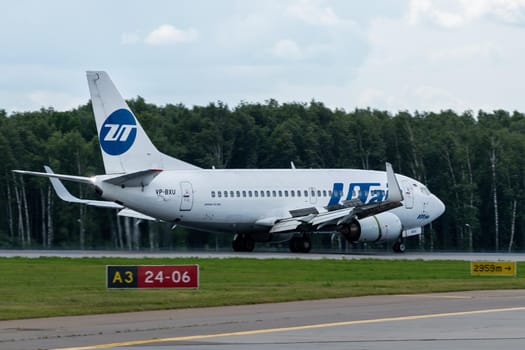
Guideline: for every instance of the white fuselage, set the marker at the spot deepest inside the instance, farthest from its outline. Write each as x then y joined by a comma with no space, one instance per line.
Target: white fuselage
249,200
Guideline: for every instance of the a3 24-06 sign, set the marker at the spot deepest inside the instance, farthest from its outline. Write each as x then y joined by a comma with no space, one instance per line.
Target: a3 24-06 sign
152,276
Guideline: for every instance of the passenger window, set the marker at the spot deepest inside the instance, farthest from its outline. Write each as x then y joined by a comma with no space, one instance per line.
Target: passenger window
225,194
219,193
274,193
212,194
324,193
286,193
238,194
244,193
298,193
231,194
268,193
256,193
292,193
305,193
249,193
262,193
280,193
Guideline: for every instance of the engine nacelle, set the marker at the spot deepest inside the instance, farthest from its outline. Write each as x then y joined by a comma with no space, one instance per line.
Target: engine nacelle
377,228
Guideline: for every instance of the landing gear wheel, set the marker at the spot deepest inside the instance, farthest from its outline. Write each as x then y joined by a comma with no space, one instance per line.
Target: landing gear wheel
294,244
305,244
249,244
237,243
243,243
399,247
300,244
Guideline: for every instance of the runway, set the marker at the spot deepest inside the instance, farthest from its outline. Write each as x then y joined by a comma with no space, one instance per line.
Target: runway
265,255
463,320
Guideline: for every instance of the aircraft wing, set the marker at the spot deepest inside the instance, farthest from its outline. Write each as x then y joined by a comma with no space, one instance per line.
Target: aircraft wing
135,214
141,178
343,213
81,179
65,195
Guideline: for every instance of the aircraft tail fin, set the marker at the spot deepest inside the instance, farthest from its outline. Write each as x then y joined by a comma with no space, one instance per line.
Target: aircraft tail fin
124,144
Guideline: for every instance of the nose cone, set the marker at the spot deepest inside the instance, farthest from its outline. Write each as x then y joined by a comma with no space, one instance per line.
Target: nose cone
437,208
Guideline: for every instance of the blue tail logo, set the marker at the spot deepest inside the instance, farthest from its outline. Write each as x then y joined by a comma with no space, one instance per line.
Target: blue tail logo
118,132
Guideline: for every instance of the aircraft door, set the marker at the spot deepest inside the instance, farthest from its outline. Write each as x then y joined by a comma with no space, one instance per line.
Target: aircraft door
408,194
187,196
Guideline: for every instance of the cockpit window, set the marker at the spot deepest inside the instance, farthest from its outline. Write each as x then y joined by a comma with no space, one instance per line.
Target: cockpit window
425,191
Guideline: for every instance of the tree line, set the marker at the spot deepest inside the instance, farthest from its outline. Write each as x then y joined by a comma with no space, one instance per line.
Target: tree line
474,162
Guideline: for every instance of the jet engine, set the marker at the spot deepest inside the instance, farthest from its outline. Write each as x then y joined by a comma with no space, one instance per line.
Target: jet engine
377,228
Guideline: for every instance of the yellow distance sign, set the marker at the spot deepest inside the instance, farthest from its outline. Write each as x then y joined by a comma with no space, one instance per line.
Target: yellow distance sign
493,268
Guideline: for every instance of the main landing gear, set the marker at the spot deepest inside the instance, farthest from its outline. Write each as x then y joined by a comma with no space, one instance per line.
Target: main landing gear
300,244
243,243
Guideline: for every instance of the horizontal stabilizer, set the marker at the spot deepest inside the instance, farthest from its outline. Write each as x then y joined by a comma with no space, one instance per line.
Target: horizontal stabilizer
137,179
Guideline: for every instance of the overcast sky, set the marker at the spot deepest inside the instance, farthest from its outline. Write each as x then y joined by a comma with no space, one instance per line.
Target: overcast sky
390,55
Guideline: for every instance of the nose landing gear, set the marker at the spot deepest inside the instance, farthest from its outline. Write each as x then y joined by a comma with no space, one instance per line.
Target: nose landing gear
399,246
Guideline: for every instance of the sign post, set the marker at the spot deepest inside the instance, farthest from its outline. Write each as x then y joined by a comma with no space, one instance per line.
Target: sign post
152,276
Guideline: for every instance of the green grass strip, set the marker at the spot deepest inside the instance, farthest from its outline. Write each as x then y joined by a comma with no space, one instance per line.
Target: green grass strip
46,287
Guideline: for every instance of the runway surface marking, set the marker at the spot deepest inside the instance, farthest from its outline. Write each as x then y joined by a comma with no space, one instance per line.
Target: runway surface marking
293,328
434,296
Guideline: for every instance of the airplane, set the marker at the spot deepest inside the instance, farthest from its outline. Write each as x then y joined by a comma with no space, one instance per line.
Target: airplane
255,205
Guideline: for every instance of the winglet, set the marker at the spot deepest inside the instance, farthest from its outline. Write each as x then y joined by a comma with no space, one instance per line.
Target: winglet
66,196
394,191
